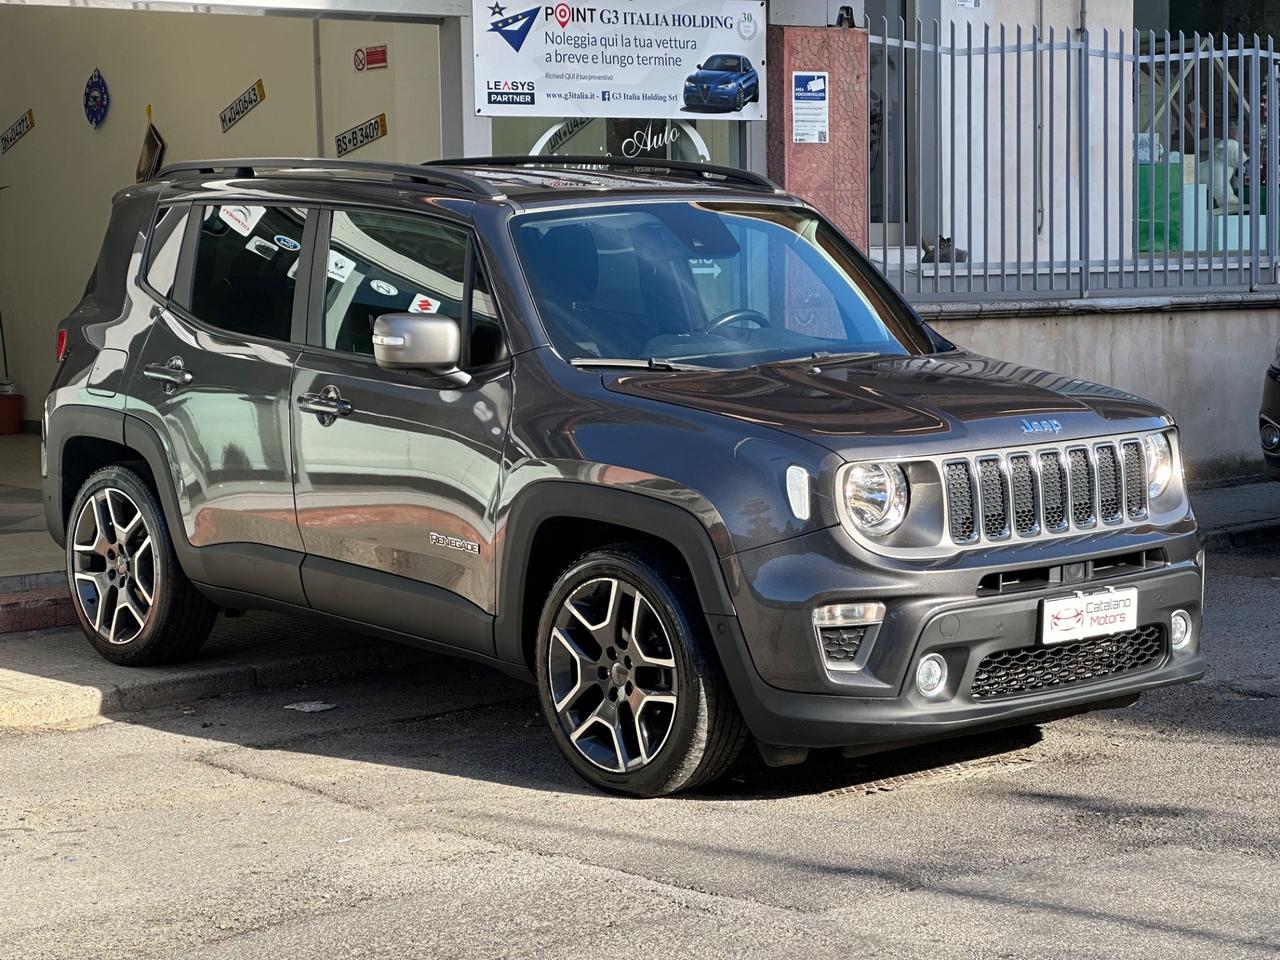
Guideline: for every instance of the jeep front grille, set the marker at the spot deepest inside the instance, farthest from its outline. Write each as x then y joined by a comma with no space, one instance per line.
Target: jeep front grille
1001,495
1027,670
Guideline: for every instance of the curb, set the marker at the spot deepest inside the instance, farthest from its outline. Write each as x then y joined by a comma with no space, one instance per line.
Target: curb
36,608
142,690
1243,534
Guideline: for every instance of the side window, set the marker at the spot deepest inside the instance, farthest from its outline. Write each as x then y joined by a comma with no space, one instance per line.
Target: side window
246,268
389,263
487,344
163,248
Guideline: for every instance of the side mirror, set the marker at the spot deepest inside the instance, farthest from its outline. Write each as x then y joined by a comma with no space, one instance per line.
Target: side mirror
699,66
417,341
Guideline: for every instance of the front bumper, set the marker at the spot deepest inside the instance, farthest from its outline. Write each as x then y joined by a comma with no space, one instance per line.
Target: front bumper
1270,413
790,699
715,100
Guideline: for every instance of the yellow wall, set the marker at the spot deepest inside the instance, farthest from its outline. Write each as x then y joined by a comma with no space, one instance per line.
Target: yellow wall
189,67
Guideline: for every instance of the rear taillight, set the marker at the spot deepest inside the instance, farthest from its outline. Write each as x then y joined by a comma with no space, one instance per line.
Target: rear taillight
62,345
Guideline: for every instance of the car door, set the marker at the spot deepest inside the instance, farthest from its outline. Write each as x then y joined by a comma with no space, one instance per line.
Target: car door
397,471
213,381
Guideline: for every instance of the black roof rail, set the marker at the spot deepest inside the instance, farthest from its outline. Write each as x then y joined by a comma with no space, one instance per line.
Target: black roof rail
704,171
246,168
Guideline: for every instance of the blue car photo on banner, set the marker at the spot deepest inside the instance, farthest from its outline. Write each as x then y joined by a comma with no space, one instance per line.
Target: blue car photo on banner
96,99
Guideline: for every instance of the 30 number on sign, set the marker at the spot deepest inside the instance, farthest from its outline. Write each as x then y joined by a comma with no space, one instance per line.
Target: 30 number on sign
360,134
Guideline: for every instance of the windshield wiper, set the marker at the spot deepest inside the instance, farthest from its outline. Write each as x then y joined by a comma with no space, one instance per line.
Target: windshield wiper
820,356
653,363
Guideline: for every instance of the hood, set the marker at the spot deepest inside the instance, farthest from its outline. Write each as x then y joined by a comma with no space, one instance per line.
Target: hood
712,77
942,403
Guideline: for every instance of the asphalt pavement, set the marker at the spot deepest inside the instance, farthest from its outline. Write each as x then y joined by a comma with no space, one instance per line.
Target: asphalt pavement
427,814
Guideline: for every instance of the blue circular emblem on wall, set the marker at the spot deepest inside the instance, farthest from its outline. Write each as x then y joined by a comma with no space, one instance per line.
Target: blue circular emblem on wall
96,99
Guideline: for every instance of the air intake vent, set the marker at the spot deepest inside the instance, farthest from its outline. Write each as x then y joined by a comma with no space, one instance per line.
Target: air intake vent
964,525
1110,496
1027,670
994,490
1135,479
1081,487
840,645
1026,506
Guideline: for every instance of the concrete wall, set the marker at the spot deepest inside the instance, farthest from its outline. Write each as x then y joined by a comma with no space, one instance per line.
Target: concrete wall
188,67
1205,367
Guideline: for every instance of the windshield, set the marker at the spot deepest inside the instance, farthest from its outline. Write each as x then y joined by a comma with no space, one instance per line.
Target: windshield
721,62
715,284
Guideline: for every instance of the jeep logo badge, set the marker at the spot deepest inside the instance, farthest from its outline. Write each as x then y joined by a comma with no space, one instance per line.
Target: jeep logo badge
1040,426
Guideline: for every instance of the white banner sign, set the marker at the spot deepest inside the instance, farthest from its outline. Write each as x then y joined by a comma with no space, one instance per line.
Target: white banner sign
635,58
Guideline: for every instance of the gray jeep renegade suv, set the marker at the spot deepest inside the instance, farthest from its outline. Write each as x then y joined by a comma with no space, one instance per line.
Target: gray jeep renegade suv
652,434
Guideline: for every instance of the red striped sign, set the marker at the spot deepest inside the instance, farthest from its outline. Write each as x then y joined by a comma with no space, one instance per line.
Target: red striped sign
370,58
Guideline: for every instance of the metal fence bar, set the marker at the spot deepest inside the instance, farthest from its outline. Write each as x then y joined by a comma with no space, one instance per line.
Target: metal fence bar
919,148
952,223
968,152
902,152
1273,163
1066,155
1182,155
986,165
1106,158
1017,206
1004,262
1086,173
1121,167
1198,114
937,106
1168,167
1151,165
1049,115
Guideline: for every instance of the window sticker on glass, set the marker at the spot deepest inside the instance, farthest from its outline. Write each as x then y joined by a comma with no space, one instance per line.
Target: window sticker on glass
287,242
421,303
263,248
242,219
292,274
340,267
384,288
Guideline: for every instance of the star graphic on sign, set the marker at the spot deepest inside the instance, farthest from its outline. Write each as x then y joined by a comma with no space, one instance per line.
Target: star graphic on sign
497,10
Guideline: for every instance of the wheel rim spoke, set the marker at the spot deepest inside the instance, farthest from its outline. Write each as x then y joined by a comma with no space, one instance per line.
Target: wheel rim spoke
612,674
112,565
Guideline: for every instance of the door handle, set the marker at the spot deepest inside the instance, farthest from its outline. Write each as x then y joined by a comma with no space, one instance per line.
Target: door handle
172,374
327,405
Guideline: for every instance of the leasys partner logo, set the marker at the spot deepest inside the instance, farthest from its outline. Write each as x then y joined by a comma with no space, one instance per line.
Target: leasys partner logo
513,28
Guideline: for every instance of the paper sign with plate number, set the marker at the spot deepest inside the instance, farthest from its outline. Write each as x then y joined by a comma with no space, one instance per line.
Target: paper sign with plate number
17,130
362,133
241,105
1087,615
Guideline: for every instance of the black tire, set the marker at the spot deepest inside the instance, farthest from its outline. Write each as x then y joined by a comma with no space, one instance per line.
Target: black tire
755,94
739,101
178,618
704,729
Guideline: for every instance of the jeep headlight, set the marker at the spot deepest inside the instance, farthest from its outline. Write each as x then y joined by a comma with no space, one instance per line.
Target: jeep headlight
1159,458
875,497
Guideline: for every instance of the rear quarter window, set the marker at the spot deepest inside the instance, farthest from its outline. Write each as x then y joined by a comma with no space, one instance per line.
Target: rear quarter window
163,248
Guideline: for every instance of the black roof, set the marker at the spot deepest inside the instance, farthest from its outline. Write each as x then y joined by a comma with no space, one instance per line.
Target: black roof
495,178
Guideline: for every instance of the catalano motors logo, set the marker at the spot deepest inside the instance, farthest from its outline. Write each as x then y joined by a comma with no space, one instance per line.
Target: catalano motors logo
1067,619
514,28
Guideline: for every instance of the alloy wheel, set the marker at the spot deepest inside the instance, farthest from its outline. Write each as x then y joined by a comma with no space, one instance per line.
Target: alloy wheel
113,565
612,673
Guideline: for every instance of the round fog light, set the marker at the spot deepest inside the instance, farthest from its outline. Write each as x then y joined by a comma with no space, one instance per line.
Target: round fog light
1270,437
1180,629
931,675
